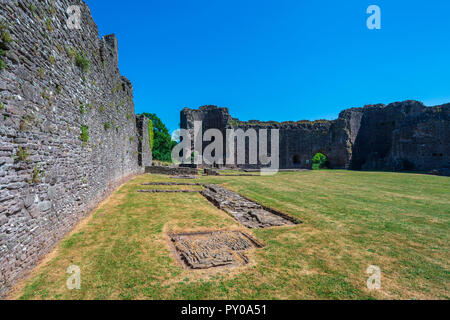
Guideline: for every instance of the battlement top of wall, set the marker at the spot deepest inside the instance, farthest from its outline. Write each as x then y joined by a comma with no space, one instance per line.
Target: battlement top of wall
206,108
111,40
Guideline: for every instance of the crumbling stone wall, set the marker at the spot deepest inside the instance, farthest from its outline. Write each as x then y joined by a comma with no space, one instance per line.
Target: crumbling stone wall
400,136
68,131
403,136
174,171
144,151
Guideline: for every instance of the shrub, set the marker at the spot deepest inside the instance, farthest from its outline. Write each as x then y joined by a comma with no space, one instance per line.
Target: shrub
6,36
82,62
70,52
41,73
2,64
107,126
48,23
1,106
84,133
32,9
22,154
319,161
36,175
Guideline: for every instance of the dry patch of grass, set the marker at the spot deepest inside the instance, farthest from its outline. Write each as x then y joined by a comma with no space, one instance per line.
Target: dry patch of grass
351,220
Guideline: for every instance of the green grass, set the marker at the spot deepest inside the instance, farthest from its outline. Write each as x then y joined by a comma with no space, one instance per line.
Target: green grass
351,220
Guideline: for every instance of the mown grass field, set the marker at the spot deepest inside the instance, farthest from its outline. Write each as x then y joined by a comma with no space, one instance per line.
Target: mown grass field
399,222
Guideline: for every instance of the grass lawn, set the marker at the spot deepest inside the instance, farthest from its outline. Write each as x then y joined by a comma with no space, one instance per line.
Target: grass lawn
396,221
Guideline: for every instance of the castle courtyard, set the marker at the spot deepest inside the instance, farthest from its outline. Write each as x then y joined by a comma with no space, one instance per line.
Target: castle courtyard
130,246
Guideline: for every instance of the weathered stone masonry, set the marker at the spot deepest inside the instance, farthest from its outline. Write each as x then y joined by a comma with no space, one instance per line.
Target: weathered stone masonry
400,136
68,136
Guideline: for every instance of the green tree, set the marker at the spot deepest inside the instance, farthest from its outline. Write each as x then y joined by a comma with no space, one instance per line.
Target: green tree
319,161
150,133
162,144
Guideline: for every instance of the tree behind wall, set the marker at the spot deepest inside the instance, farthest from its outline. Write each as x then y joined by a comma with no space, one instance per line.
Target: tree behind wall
162,141
319,161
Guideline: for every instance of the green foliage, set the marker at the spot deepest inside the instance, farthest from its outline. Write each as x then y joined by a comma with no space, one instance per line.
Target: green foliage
150,133
319,161
48,24
1,106
107,125
2,64
41,73
70,52
82,109
84,133
36,175
162,141
5,36
32,9
22,154
233,123
82,62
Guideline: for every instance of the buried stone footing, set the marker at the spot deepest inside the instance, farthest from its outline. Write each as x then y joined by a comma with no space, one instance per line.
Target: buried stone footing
247,212
184,177
172,184
204,250
168,191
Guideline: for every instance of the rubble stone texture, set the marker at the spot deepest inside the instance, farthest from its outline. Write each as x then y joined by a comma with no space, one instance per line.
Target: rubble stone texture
249,213
171,170
400,136
68,133
213,249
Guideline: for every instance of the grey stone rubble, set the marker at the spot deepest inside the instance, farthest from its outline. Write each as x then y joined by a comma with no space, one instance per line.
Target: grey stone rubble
204,250
168,191
172,184
184,177
247,212
171,170
50,175
210,172
400,136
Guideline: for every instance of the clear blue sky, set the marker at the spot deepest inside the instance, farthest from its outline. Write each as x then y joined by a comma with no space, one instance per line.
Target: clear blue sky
278,60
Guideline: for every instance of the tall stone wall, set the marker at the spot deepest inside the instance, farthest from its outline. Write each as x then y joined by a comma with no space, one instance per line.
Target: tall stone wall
400,136
68,132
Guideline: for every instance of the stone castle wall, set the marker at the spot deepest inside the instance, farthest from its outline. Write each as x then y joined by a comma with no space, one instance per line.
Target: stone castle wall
400,136
68,134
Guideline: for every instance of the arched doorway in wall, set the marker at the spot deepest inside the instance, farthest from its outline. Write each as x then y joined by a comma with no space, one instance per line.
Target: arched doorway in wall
296,160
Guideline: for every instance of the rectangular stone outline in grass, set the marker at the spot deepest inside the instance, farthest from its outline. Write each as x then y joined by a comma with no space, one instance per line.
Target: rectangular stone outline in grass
212,249
244,210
